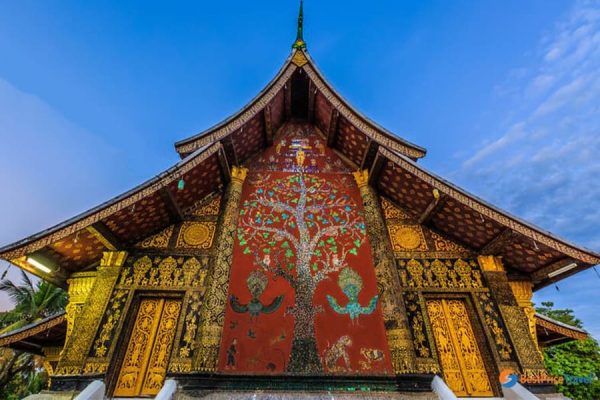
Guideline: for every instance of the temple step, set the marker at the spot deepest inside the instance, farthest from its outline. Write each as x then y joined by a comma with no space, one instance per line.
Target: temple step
284,395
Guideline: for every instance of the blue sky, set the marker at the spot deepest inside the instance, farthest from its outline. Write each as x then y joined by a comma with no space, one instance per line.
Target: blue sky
504,95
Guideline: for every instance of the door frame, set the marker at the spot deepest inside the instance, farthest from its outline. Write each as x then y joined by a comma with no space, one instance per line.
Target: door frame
485,347
116,362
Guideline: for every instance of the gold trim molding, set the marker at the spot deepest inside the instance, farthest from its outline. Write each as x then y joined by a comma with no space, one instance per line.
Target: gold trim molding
357,121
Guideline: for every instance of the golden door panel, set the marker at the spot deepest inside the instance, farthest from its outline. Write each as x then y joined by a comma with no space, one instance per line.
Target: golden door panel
159,359
460,356
145,363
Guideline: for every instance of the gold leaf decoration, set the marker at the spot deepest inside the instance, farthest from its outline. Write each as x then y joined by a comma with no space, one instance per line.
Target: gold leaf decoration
407,237
390,211
208,208
198,235
158,241
443,244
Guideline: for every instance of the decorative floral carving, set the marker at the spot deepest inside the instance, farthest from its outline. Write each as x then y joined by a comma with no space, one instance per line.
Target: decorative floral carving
496,326
196,235
407,237
444,245
167,272
158,241
417,325
444,274
110,321
390,211
208,208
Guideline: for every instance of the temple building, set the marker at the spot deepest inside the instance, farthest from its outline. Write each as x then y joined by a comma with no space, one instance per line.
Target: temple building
296,246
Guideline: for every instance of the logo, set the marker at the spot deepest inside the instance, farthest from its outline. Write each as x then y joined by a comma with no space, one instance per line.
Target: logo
508,378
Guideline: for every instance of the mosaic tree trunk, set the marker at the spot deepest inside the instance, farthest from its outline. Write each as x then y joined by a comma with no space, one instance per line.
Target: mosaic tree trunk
302,295
301,217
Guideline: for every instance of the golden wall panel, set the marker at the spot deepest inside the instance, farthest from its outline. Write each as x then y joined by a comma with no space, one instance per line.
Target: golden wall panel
197,235
86,324
407,237
158,241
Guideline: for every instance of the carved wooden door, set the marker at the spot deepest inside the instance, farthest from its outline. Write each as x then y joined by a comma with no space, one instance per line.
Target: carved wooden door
145,363
462,364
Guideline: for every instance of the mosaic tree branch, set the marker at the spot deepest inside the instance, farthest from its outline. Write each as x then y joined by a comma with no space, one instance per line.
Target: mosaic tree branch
293,230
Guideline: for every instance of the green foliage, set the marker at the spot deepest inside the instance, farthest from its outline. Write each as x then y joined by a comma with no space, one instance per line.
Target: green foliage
565,315
21,374
580,358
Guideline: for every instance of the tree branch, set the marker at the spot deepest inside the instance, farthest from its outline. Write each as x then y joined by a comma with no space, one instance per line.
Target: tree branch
281,232
278,271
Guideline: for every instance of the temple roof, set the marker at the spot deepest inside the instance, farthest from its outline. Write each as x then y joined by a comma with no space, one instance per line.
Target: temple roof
551,332
298,92
275,102
32,338
526,249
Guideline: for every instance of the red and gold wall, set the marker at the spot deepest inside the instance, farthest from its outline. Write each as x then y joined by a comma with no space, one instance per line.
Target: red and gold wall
303,295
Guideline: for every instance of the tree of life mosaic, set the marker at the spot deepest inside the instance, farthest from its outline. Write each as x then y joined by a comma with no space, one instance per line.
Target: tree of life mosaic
303,295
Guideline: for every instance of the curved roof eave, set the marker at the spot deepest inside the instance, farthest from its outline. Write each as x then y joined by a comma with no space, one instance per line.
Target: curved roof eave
181,146
559,323
474,202
371,128
32,328
420,152
124,200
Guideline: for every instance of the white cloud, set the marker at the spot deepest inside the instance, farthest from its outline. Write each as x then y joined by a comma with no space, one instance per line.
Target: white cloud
545,167
514,133
541,83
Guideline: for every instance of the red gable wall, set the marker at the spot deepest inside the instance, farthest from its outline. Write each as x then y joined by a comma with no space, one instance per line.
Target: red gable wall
300,243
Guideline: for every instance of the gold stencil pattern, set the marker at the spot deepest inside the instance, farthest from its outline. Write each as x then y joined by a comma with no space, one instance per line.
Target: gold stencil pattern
445,274
212,312
159,241
407,237
390,211
86,323
445,245
209,208
392,303
197,235
462,363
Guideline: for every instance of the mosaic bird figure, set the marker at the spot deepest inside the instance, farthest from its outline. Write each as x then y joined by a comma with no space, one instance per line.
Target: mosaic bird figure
257,282
351,284
254,306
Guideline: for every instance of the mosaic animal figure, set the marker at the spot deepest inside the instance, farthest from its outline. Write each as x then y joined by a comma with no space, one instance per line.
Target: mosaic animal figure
337,351
371,356
351,284
257,282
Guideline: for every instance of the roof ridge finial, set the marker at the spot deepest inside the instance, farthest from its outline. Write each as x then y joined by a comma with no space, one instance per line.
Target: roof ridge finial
300,44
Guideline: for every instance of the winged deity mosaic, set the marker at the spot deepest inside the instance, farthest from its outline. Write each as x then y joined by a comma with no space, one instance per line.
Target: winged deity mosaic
257,282
351,284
